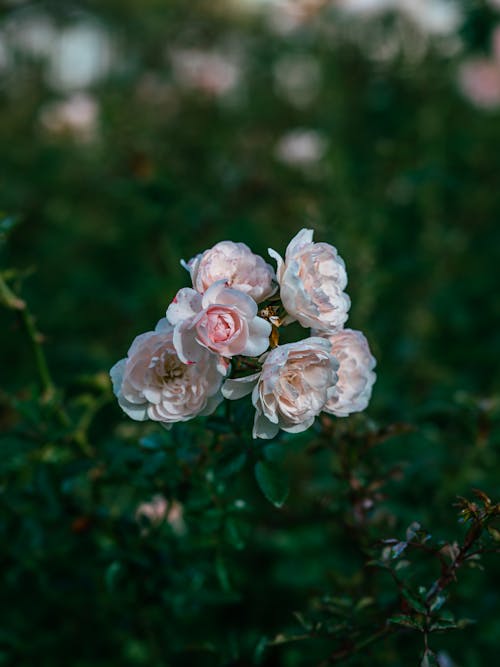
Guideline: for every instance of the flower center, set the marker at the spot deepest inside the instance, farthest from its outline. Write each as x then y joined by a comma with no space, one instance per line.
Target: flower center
221,326
172,369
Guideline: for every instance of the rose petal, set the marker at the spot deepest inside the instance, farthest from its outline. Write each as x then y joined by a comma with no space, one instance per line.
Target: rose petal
239,387
186,304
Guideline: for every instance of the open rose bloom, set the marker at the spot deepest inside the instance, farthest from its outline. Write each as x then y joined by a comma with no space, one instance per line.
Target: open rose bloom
153,383
355,374
223,320
296,382
312,281
235,264
196,355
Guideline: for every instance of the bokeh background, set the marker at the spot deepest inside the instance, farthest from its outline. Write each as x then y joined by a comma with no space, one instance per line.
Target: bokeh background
134,134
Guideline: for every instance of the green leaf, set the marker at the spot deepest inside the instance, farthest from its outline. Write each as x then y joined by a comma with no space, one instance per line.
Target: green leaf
222,573
438,603
112,575
233,535
412,531
363,603
494,533
446,621
429,660
401,564
7,225
443,625
413,600
273,482
260,650
406,621
398,549
274,453
152,441
231,463
8,298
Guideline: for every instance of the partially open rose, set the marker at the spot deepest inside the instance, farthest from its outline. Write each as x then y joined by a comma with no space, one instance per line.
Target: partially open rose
295,384
237,265
312,281
153,383
223,320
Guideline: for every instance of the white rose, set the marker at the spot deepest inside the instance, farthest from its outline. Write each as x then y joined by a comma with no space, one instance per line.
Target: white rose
153,383
312,279
356,376
237,265
293,387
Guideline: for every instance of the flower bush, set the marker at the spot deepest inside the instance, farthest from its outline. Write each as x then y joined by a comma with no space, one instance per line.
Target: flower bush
369,539
171,375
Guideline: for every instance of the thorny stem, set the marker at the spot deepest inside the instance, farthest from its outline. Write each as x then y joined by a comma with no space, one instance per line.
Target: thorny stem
81,430
344,653
13,302
46,383
47,386
465,553
8,298
448,572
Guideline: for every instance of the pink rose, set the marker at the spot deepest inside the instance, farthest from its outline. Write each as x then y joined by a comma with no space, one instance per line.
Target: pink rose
210,72
237,265
479,80
223,320
159,510
312,279
356,376
296,382
154,383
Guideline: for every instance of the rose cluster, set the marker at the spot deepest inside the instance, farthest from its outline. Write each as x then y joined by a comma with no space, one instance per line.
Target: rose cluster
220,339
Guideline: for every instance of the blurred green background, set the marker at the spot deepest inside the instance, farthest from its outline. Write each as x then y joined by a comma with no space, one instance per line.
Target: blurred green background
134,134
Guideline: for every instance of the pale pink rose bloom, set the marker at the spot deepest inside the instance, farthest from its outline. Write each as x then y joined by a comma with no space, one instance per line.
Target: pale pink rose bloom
293,387
286,16
159,510
76,116
154,511
223,320
480,82
154,383
312,281
211,72
175,517
301,148
237,265
356,376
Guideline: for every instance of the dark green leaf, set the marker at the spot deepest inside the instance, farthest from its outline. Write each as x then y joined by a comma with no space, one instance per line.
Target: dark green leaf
112,575
414,600
275,452
407,622
273,482
7,225
438,603
429,660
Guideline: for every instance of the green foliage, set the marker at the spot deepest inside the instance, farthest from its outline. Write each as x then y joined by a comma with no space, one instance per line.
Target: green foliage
124,544
272,481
